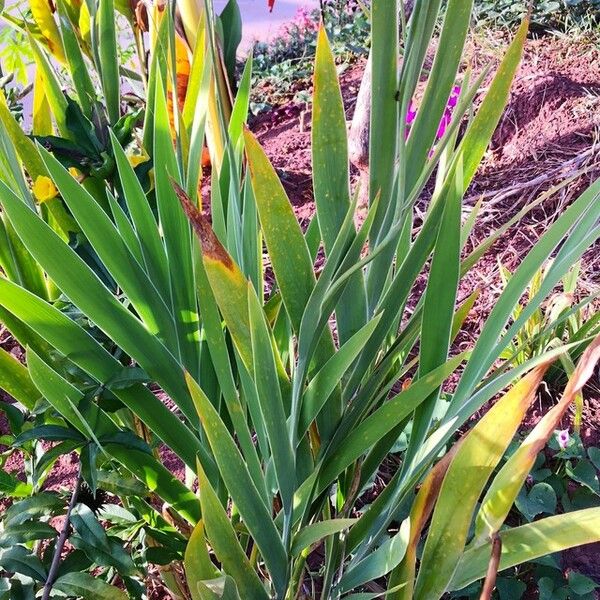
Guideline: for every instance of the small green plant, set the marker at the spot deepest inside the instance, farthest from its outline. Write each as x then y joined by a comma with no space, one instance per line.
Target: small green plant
283,62
556,322
111,545
564,477
546,14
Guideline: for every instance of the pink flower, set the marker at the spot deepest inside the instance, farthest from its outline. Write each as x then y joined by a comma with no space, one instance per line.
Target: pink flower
454,96
562,437
446,117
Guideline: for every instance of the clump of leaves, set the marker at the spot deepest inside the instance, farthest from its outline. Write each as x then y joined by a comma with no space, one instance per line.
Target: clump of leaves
560,320
564,477
287,59
546,14
283,399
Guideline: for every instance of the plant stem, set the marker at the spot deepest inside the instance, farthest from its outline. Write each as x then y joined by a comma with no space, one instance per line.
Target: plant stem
490,579
139,46
295,587
62,538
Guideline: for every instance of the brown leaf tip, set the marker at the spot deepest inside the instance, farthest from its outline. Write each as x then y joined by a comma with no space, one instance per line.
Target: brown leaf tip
211,246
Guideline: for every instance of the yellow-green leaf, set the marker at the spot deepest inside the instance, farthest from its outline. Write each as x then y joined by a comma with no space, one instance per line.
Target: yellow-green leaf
467,475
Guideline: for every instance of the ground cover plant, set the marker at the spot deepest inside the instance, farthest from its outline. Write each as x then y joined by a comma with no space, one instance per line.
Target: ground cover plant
546,15
147,325
282,64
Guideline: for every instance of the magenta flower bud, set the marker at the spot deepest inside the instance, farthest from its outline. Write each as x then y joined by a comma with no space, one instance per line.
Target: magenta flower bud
411,114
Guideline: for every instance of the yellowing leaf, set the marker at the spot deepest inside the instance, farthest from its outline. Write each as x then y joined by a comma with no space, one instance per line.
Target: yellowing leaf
42,115
42,14
506,485
85,24
475,460
226,279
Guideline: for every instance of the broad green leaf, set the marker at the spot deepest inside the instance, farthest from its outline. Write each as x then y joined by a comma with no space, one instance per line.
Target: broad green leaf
225,544
26,532
474,462
89,528
44,503
20,560
528,542
84,585
584,472
116,557
51,433
331,176
15,380
594,454
540,499
286,245
240,486
271,401
315,532
581,584
197,563
93,540
386,136
384,106
329,144
108,56
438,308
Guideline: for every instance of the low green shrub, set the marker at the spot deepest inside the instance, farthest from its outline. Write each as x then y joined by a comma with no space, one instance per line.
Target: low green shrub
546,14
